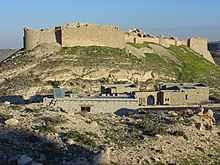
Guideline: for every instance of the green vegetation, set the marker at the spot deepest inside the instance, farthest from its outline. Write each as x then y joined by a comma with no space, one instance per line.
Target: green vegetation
16,107
140,45
51,123
123,137
32,110
5,116
151,127
84,140
187,67
197,69
47,129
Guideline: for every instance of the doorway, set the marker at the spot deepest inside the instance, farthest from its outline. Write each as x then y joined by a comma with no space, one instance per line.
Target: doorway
150,100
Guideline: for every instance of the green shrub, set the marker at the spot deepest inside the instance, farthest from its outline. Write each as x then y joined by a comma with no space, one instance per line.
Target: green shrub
201,149
5,116
16,107
47,129
81,139
31,110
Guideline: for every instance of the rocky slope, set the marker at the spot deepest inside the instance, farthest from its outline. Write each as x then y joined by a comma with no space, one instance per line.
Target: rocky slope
51,136
81,70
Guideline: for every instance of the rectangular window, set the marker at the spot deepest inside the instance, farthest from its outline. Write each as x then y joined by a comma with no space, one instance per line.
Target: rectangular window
85,109
186,97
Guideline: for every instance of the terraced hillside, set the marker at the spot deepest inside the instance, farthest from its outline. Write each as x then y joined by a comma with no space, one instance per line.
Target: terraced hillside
81,70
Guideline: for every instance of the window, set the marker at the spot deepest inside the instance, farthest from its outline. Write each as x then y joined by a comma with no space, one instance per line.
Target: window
85,109
167,99
186,97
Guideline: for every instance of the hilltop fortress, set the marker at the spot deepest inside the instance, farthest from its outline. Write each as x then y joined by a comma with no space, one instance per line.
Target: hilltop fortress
83,34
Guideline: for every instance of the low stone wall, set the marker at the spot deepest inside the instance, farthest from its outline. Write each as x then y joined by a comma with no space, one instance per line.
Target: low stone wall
97,105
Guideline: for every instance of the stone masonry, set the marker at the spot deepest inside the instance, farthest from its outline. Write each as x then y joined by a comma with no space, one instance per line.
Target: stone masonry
83,34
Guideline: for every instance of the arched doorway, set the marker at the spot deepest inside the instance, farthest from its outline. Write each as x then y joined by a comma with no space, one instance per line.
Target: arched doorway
150,100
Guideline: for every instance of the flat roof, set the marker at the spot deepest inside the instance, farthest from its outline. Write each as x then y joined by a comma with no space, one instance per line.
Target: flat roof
120,85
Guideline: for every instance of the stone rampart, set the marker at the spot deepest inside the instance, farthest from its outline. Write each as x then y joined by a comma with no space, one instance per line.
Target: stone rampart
31,38
83,34
140,40
92,35
200,45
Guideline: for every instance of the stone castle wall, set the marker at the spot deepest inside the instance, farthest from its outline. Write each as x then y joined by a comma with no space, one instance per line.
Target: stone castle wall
91,35
33,38
83,34
200,45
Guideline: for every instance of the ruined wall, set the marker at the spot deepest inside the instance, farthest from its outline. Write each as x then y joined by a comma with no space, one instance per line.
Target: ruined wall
136,39
92,35
185,42
200,45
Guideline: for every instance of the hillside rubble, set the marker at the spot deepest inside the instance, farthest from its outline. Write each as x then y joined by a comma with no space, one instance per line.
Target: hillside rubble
53,136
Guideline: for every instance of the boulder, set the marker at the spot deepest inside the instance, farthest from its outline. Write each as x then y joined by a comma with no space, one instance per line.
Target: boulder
102,158
189,112
11,122
199,126
209,113
7,103
20,160
93,124
70,141
172,114
158,136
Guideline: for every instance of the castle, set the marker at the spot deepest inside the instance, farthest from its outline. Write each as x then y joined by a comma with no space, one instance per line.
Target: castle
83,34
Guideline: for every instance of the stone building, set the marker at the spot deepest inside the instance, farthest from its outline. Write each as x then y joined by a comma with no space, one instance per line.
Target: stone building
93,104
183,93
129,98
119,89
83,34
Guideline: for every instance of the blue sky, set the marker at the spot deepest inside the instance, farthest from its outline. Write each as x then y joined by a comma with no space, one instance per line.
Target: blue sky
182,18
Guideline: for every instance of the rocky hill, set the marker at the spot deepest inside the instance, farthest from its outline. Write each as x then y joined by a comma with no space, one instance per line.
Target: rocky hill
81,70
5,53
214,48
32,133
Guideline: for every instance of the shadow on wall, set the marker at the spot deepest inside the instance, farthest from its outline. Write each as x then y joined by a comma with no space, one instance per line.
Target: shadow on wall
20,141
58,34
125,111
21,100
12,99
